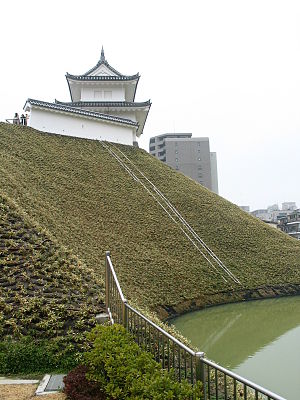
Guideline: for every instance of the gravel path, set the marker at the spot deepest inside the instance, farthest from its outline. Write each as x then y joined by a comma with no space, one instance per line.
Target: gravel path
26,392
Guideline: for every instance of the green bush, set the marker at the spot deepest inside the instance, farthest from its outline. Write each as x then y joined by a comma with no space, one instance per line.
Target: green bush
37,356
125,371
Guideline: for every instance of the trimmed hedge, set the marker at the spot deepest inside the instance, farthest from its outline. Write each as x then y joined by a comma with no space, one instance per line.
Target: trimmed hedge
26,356
124,371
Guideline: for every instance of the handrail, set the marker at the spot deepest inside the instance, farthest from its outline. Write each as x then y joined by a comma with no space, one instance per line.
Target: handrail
186,363
168,335
115,277
245,381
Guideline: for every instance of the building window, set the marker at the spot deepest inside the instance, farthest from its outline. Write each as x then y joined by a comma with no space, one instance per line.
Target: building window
176,144
98,94
152,140
152,148
199,144
107,94
176,151
199,151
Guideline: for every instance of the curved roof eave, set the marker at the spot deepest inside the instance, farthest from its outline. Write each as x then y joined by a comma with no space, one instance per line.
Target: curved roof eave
142,128
76,111
112,104
93,78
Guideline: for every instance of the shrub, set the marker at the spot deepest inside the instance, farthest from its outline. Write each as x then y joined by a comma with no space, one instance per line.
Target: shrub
77,387
125,371
31,356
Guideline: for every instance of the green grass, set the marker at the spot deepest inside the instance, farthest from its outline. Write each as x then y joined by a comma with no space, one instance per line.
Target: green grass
78,192
45,291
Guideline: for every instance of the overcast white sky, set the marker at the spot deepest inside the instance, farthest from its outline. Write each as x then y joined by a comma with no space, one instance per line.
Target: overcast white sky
229,70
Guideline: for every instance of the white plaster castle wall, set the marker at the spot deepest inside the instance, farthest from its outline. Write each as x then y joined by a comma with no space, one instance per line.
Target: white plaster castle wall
131,115
102,93
55,122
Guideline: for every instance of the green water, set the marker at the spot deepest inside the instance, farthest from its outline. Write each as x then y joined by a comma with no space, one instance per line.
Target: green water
259,340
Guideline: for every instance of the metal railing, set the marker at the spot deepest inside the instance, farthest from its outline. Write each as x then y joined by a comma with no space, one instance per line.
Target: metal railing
218,382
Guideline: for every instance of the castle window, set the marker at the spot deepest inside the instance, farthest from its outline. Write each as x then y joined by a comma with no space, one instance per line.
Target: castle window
107,94
98,94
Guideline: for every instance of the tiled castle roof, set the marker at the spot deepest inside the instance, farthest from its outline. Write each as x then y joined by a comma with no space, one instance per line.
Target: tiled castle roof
74,110
102,77
105,103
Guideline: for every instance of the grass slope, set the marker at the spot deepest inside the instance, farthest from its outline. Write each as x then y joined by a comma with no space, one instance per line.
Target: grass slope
45,291
77,191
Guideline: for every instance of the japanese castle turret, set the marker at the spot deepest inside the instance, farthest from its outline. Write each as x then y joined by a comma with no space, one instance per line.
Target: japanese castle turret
102,107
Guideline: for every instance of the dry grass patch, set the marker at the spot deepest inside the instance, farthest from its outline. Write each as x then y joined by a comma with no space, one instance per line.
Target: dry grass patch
25,392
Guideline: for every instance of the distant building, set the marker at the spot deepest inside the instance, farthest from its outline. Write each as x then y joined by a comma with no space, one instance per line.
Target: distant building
274,207
273,212
214,172
245,208
102,107
191,156
290,224
289,206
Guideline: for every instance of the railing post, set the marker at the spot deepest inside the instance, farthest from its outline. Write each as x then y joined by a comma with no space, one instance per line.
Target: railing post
200,372
107,280
125,315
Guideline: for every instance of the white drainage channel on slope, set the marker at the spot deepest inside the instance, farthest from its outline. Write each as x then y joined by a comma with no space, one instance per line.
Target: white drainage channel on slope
50,384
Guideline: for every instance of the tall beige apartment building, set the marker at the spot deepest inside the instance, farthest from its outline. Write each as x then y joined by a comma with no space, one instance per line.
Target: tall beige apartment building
191,156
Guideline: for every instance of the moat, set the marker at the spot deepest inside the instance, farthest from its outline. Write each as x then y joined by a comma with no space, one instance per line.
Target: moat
259,340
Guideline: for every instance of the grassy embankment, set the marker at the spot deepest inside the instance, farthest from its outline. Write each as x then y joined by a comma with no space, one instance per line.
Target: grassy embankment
48,297
78,192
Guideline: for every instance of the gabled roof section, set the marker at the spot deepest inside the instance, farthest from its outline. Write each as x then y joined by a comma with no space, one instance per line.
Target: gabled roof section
108,73
80,112
103,61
